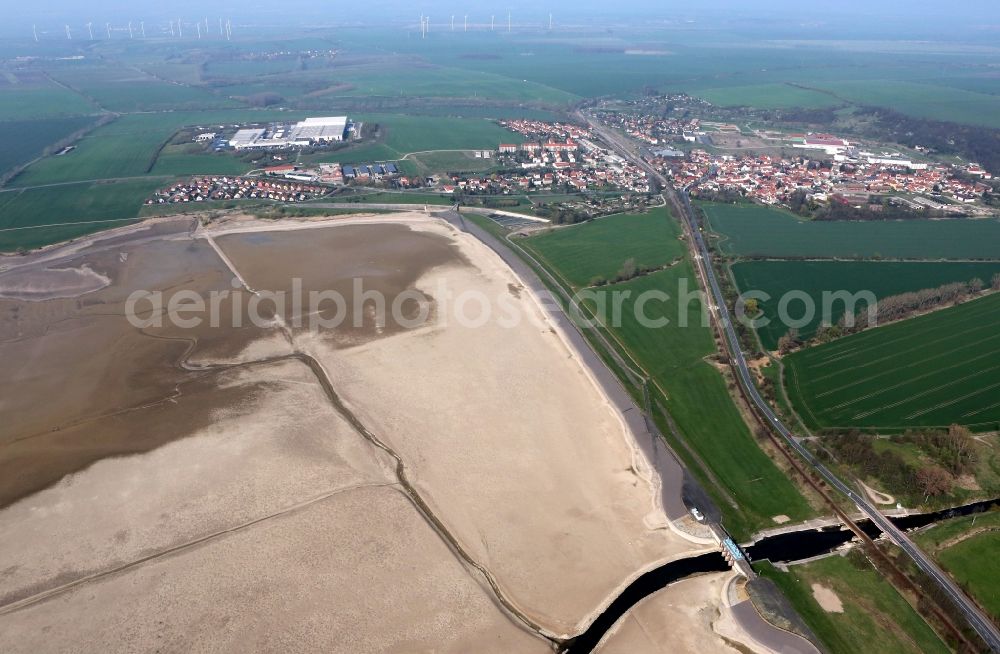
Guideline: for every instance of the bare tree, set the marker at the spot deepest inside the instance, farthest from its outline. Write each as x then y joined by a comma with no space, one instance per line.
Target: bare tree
933,480
789,341
629,269
903,305
996,281
963,445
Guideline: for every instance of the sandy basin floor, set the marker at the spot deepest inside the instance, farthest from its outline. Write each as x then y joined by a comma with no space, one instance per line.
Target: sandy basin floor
309,580
239,509
505,434
680,619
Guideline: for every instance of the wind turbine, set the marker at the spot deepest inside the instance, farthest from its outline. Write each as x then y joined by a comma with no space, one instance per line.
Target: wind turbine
493,20
229,29
130,35
453,22
221,33
69,34
508,20
142,28
90,30
550,22
171,29
107,26
198,25
180,29
467,22
34,31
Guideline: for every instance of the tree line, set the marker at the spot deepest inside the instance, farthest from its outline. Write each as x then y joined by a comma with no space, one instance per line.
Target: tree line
629,270
973,142
904,305
947,455
889,309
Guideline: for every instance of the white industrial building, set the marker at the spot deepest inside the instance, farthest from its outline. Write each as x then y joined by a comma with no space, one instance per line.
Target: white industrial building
828,144
320,130
246,138
311,131
899,162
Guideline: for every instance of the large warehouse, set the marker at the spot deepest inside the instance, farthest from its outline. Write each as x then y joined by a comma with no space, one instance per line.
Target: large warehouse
320,130
246,138
311,131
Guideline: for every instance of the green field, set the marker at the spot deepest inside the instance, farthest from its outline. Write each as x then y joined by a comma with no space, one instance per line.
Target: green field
31,102
922,100
26,139
378,76
875,617
967,547
123,148
236,68
175,160
942,534
767,96
436,82
929,371
128,146
126,89
422,133
158,96
883,278
600,247
449,162
753,230
973,561
72,210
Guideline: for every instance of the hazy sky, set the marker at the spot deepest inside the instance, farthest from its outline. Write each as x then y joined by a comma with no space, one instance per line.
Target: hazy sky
951,20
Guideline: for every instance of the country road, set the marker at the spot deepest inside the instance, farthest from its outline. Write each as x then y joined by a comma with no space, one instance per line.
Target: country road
720,312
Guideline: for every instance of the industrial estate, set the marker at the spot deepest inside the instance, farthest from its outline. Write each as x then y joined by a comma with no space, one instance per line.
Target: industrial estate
499,333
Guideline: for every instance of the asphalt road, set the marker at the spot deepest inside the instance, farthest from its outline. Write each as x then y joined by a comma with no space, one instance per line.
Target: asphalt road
976,618
765,633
